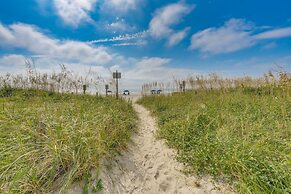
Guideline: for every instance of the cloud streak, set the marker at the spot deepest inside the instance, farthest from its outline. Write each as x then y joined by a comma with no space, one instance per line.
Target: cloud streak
137,39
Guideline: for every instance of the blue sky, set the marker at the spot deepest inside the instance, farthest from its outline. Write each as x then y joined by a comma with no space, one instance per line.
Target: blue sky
147,40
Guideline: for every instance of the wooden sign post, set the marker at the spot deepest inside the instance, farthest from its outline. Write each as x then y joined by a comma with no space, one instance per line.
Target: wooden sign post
116,76
106,89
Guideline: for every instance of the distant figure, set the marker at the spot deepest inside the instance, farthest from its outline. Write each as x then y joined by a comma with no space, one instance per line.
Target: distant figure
153,91
159,91
126,92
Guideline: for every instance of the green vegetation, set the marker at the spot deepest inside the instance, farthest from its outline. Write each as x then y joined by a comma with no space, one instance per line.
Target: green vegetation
48,140
241,135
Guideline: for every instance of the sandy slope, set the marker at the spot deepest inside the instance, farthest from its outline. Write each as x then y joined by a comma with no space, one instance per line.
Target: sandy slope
149,167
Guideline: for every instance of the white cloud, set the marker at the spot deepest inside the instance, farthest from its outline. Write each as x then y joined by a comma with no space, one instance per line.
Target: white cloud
74,12
30,38
234,35
161,25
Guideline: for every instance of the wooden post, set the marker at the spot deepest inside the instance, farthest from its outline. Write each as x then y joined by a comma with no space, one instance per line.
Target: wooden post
106,89
116,76
84,89
184,86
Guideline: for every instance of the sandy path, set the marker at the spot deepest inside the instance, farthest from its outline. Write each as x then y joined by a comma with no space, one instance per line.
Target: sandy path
149,167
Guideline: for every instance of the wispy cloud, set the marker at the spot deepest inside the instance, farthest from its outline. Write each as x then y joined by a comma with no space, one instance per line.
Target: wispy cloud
234,35
127,37
161,25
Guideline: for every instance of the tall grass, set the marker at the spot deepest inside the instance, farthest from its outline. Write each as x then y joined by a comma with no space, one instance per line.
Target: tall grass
48,140
64,81
213,82
240,134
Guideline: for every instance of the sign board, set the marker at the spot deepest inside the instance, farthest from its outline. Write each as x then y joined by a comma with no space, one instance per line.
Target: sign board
106,86
116,75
